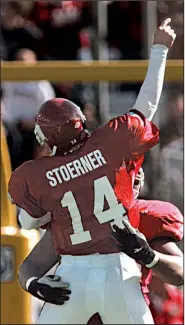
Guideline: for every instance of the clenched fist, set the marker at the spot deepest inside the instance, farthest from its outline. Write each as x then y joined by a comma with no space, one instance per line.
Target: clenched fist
165,35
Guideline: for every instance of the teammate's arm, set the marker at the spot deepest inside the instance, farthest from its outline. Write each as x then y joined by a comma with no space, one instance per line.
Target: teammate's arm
48,288
170,265
151,89
41,259
162,256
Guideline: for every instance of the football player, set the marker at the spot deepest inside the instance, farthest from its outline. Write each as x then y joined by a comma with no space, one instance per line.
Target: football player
160,222
160,227
76,193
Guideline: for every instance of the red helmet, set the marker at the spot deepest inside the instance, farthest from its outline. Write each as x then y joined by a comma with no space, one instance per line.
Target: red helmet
60,125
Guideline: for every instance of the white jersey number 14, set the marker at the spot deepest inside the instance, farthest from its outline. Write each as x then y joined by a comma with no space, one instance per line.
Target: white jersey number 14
102,190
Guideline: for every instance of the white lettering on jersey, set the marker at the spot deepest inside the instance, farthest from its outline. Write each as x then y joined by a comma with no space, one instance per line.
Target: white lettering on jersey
75,168
53,181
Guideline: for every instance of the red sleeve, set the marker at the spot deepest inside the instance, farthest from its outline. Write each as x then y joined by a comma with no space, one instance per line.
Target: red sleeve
19,192
140,133
164,220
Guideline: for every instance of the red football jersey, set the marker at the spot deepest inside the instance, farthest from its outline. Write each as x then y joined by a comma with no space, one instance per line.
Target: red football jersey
158,220
88,190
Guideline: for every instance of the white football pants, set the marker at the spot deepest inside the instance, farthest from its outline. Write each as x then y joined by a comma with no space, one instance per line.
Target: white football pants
104,284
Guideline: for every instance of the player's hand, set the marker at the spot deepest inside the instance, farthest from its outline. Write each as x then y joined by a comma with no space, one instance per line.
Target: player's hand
133,243
50,289
165,35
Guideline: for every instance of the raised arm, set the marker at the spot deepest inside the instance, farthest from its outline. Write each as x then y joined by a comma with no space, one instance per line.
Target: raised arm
150,92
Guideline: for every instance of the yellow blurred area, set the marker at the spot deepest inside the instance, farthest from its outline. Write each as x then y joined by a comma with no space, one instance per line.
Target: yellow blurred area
125,71
8,210
15,246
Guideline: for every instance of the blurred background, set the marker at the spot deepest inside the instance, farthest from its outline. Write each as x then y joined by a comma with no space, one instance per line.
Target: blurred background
54,30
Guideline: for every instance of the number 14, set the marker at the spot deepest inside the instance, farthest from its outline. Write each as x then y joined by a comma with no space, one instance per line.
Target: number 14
102,189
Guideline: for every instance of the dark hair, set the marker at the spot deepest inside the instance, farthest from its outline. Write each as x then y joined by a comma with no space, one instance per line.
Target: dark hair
15,6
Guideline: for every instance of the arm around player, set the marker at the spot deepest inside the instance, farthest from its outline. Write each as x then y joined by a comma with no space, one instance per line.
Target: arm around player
170,265
49,288
162,255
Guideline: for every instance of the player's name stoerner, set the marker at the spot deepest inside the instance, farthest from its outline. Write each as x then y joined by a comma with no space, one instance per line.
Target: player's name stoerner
75,168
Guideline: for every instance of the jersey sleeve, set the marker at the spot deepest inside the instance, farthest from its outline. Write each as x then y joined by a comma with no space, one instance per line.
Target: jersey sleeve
20,194
168,224
134,129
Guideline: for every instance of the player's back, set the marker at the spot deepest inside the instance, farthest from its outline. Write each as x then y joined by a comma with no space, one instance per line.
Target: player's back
78,189
81,188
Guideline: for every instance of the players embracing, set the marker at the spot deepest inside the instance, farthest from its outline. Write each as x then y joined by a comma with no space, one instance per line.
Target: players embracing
80,191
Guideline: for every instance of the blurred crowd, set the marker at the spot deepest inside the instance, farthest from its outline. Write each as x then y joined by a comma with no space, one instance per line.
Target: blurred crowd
58,30
64,30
